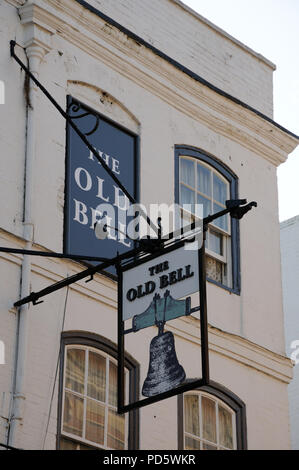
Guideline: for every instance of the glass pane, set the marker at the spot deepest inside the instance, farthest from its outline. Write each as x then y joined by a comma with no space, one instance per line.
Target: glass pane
215,242
204,180
96,386
191,444
95,421
208,419
222,221
75,366
187,197
219,189
214,269
191,411
225,428
73,414
116,430
206,203
206,446
187,172
112,384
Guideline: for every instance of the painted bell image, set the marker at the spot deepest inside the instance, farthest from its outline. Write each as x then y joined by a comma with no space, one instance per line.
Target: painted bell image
164,371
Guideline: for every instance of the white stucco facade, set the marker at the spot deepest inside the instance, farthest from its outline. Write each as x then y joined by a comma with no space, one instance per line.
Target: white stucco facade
289,233
74,51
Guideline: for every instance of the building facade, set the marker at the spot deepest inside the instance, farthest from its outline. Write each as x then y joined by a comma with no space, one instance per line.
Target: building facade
195,107
289,235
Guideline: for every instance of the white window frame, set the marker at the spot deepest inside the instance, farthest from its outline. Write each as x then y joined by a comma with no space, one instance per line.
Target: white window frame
217,403
226,234
84,396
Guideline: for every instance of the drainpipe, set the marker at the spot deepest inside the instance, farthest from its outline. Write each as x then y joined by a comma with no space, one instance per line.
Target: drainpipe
35,54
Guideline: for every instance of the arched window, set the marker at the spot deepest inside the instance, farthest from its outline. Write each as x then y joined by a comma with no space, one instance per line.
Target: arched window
88,417
205,181
211,418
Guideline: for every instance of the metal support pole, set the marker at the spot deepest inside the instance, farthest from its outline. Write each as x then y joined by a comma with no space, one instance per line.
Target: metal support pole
34,296
51,254
203,309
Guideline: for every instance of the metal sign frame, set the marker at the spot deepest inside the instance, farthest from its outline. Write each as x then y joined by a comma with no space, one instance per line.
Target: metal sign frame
122,407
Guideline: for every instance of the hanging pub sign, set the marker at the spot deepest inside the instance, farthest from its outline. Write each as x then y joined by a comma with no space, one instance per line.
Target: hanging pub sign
90,192
153,291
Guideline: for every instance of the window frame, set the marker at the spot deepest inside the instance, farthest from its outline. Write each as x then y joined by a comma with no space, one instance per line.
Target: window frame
101,344
225,172
200,394
232,401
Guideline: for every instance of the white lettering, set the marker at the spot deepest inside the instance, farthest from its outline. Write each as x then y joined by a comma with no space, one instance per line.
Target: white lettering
120,200
121,235
100,190
115,166
138,227
80,213
105,157
110,229
110,161
88,184
95,217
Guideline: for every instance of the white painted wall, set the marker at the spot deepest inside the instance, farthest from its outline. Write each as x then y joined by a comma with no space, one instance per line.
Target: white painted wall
197,44
289,236
85,57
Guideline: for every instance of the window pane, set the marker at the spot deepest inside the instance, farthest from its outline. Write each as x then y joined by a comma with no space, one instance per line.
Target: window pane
214,269
95,421
73,414
215,242
225,428
75,366
206,203
206,446
112,384
187,173
208,419
187,197
191,414
191,444
204,180
116,430
222,221
96,386
219,189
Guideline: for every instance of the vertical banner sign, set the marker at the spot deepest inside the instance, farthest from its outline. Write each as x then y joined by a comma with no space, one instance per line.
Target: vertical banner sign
90,192
153,291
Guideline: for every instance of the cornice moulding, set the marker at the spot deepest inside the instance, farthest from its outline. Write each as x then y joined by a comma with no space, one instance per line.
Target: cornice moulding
16,3
102,41
37,31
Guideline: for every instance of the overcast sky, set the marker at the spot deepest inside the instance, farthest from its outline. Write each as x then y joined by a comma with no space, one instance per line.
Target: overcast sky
270,27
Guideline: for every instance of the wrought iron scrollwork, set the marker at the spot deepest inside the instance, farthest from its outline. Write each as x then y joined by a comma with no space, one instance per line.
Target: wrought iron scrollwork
75,108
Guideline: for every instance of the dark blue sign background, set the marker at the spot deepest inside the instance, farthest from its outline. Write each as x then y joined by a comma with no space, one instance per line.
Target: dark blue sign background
88,185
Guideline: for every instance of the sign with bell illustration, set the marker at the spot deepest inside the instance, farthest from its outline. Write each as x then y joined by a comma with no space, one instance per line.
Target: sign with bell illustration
153,290
164,372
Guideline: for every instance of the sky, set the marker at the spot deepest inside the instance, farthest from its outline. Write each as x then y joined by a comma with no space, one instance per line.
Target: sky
271,28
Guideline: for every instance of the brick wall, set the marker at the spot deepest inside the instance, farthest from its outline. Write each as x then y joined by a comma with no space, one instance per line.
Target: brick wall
194,43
